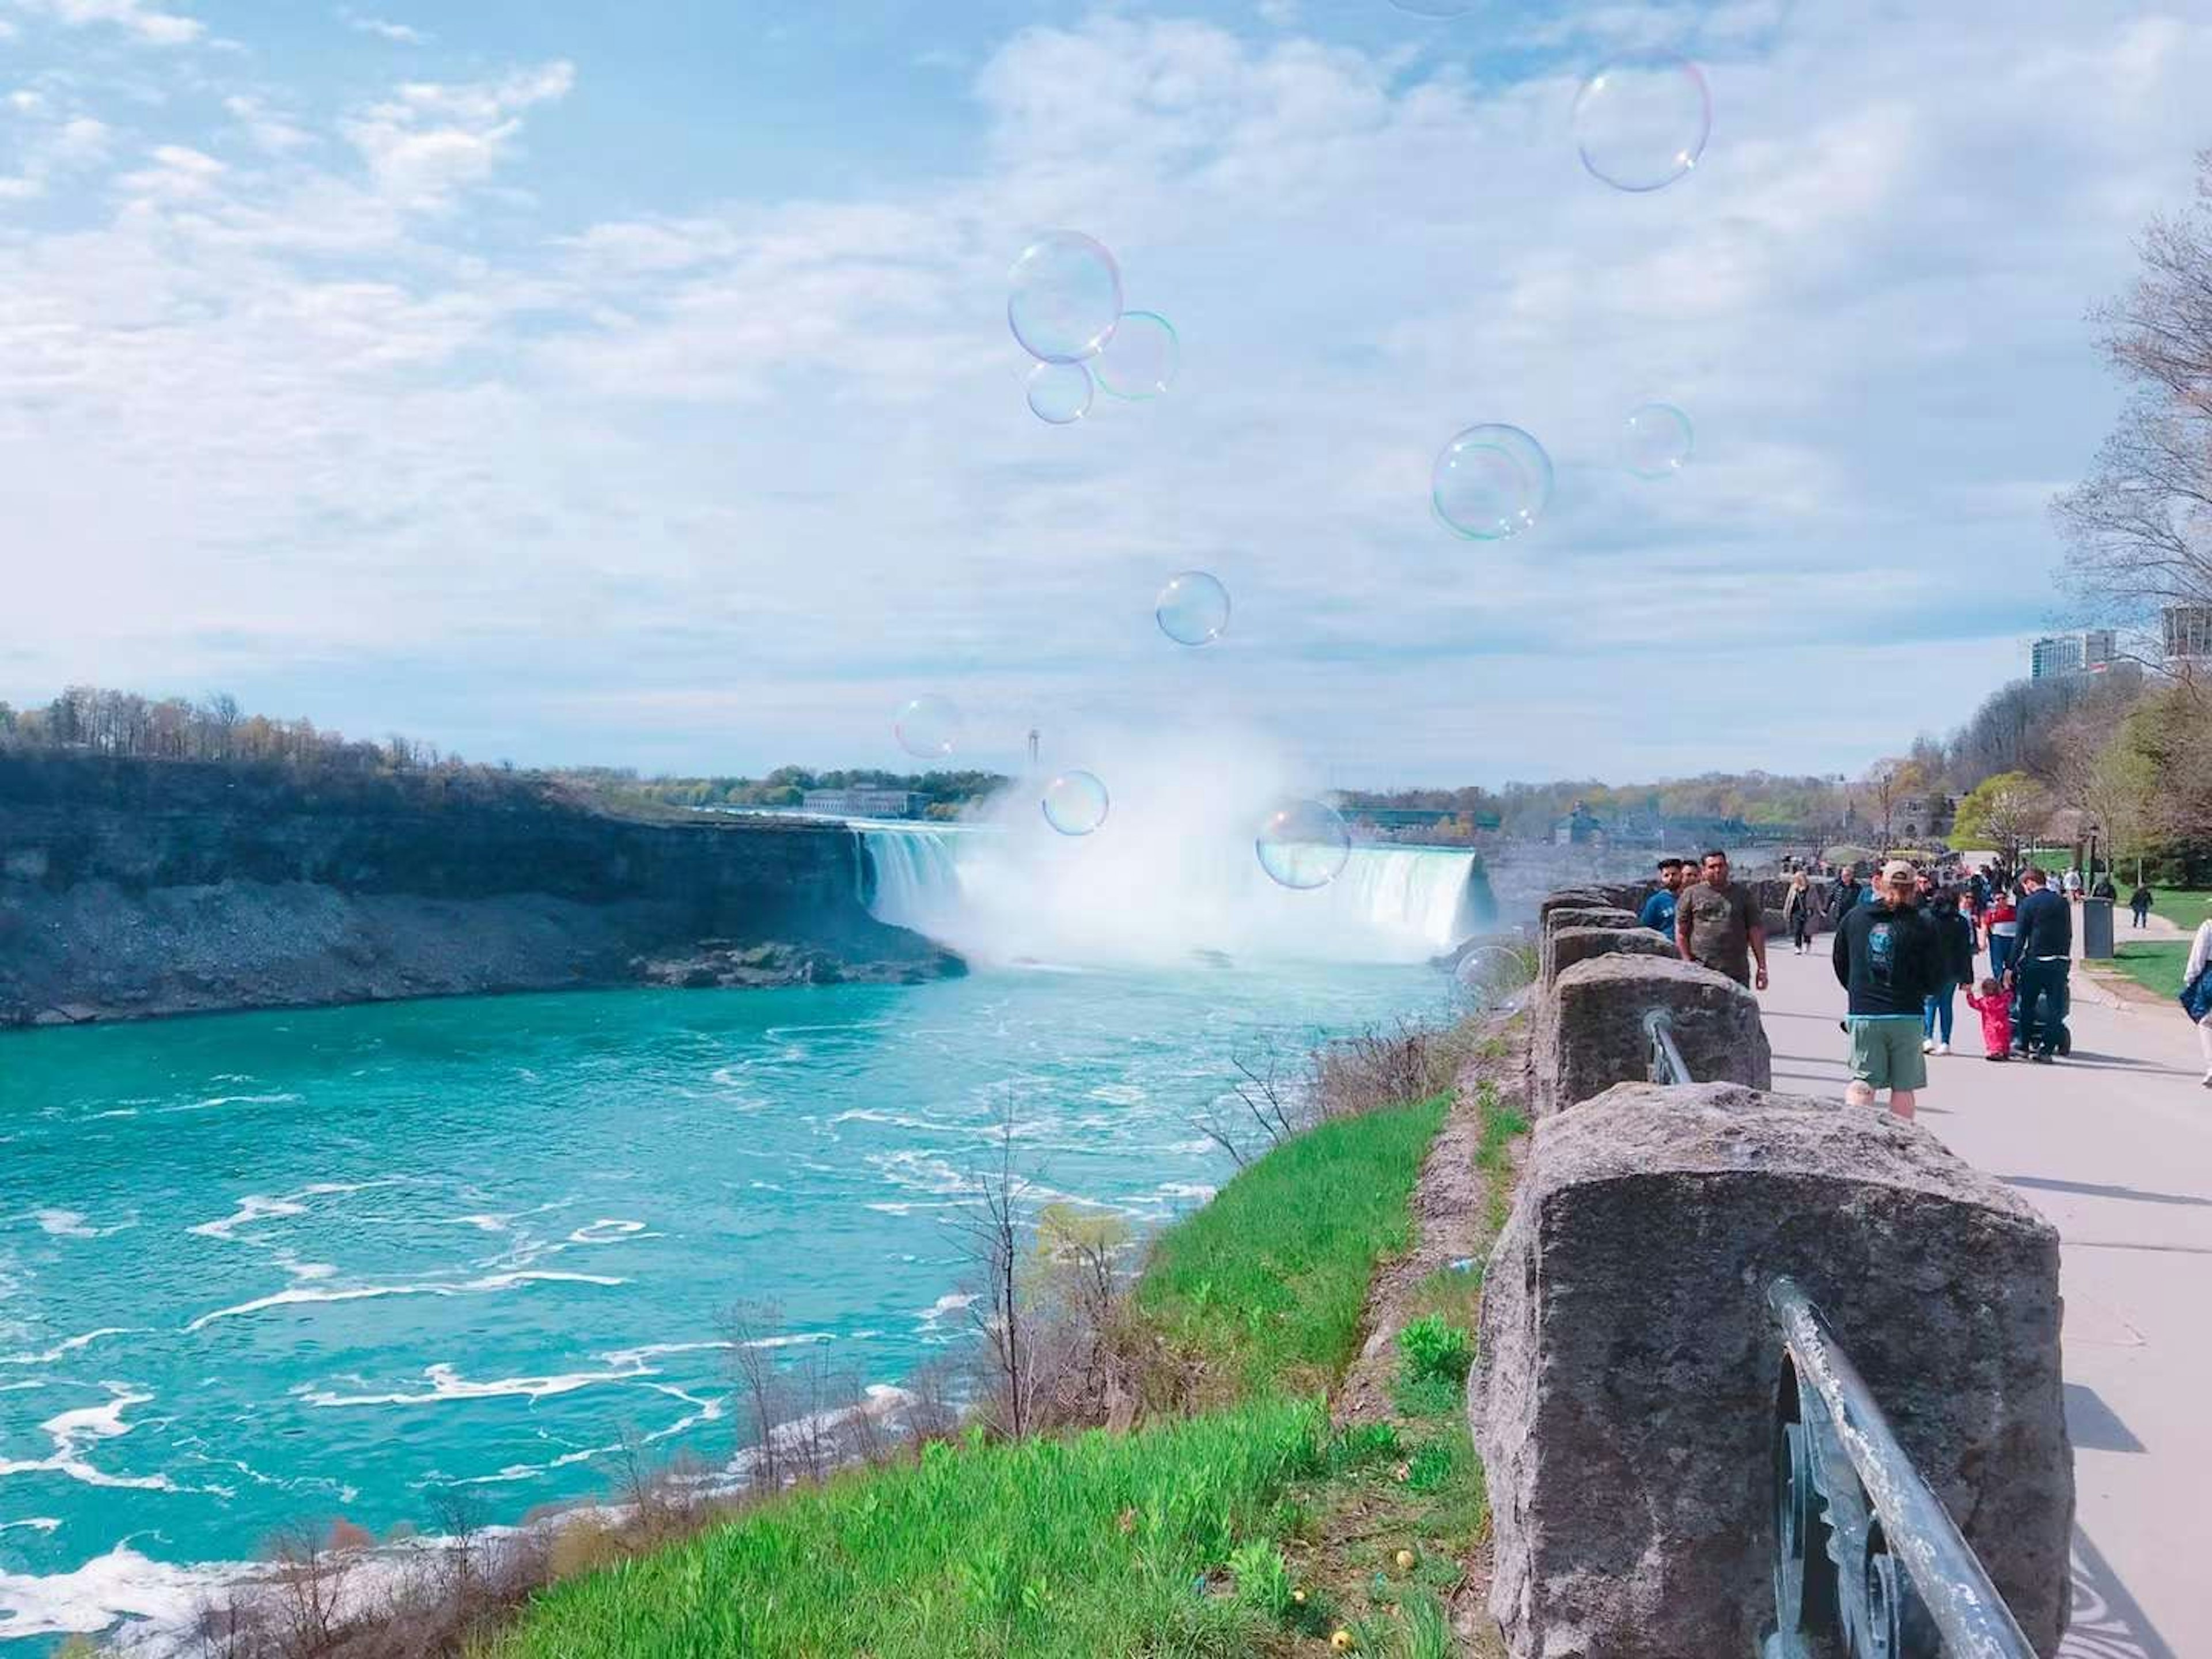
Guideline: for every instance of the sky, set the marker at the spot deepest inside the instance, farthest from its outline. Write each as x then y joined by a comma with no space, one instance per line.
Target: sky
567,383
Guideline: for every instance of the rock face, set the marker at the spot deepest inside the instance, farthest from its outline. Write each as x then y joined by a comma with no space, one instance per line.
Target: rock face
1588,1028
1564,917
1624,1397
1570,945
136,887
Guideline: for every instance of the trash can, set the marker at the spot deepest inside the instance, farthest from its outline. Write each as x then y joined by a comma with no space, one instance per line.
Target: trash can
2097,928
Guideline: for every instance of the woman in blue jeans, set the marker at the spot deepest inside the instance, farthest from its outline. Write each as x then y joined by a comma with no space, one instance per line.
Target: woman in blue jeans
1954,956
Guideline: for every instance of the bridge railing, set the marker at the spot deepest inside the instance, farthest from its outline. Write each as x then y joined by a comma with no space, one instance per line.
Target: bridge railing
1666,1063
1867,1562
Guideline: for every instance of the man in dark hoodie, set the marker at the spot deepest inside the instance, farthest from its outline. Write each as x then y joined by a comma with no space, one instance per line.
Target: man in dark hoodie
2042,958
1886,956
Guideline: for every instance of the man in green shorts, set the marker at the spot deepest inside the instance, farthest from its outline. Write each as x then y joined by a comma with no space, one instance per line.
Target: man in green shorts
1886,958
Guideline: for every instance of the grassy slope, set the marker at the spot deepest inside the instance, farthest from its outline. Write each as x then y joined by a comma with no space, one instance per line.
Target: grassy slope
2182,906
2158,965
1095,1546
1267,1281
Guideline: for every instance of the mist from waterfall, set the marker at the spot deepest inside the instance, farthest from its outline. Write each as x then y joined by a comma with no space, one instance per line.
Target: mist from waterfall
1171,876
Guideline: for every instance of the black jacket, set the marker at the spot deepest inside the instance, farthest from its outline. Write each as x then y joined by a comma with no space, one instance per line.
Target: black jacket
1888,960
2047,927
1954,945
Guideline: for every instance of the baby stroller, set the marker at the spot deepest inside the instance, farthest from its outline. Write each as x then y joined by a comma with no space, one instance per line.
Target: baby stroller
2058,1003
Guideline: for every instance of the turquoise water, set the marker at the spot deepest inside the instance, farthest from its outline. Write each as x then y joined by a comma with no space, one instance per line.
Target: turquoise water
260,1268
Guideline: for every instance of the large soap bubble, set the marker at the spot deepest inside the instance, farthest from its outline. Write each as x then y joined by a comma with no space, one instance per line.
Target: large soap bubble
1192,608
1491,482
1642,123
1060,393
1140,361
1655,441
929,726
1303,844
1065,297
1075,803
1489,975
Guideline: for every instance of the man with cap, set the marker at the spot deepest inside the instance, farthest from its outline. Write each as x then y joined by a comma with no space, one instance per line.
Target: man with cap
1886,958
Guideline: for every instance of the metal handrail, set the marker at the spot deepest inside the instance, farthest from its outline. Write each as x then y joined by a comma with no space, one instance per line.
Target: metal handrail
1850,1509
1667,1064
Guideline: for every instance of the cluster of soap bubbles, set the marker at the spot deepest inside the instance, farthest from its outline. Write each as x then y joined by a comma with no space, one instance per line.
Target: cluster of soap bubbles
1639,125
1064,306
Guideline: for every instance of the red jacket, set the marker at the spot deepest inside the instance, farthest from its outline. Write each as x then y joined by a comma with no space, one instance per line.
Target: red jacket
1997,1020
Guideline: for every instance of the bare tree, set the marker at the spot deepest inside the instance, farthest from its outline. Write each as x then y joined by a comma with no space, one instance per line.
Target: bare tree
749,1327
2141,523
993,1229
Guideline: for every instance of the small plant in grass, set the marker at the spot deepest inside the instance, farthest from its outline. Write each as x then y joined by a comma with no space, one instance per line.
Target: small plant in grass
1431,1467
1433,1349
1425,1632
1427,1396
1263,1578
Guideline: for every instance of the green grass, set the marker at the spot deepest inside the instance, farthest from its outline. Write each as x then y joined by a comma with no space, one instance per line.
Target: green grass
1101,1545
2182,906
2158,965
1266,1282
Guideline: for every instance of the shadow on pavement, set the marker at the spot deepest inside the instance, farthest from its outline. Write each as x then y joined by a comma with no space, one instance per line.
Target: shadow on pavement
2107,1624
2093,1189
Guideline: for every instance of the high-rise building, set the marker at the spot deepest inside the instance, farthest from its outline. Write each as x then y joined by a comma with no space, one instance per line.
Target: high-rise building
2186,632
2090,651
2054,654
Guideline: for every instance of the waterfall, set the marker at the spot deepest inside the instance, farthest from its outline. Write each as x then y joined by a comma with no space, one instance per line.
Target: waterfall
997,894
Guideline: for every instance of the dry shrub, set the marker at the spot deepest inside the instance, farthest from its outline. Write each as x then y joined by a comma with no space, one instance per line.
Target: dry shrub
583,1546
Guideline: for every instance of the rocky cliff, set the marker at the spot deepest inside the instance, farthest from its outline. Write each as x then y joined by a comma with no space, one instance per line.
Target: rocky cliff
131,887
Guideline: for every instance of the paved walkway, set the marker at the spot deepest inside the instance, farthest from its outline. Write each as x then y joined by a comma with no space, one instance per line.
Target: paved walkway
2115,1145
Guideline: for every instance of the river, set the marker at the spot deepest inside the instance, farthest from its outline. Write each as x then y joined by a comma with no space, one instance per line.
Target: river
258,1269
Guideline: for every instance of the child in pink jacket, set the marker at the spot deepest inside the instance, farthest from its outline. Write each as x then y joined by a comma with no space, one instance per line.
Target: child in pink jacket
1996,1010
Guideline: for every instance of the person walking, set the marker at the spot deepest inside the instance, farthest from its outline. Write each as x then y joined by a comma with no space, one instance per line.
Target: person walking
1884,958
1953,965
1658,912
2002,922
1996,1009
2042,957
1719,924
2074,885
1797,911
2200,1009
1844,897
2140,901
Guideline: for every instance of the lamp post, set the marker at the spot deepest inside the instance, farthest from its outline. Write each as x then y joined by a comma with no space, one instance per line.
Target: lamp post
2091,879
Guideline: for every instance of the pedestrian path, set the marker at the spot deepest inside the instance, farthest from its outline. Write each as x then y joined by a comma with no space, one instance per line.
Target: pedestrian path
2115,1145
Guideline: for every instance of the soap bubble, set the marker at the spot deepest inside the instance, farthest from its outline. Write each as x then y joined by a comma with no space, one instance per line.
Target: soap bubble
1491,482
1192,608
1656,440
1303,844
1139,361
1642,123
1065,298
1060,393
1075,803
1434,8
1490,974
929,726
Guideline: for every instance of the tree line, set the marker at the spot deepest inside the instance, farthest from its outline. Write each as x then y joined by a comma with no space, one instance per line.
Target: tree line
124,723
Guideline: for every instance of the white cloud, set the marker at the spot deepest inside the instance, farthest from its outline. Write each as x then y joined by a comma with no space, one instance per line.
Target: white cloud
384,29
431,141
731,477
136,18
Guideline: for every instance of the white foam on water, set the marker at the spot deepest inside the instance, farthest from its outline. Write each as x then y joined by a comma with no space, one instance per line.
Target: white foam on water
72,1431
606,1230
297,1295
254,1206
216,1102
447,1384
1185,1189
938,1311
34,1523
121,1585
55,1354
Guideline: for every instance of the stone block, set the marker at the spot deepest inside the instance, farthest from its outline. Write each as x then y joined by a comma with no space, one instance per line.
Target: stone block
1624,1396
1588,1028
1580,916
1569,898
1565,946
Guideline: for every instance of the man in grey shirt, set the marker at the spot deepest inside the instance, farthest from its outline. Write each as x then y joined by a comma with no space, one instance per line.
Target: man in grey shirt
1719,924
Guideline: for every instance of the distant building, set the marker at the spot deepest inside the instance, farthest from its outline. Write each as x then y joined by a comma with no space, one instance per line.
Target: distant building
1579,827
2054,654
2185,633
866,802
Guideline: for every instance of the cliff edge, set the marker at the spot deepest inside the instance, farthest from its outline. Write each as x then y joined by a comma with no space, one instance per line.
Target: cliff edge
133,887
